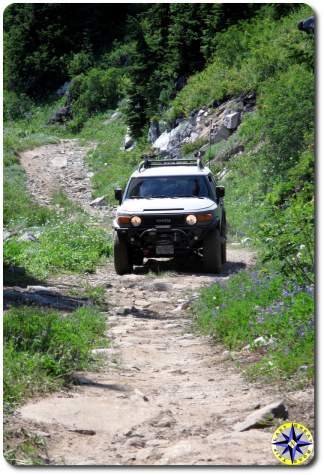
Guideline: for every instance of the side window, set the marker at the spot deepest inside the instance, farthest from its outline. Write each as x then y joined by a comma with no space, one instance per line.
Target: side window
212,186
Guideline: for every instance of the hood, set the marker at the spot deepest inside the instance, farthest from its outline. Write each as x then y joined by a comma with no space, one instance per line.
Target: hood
166,205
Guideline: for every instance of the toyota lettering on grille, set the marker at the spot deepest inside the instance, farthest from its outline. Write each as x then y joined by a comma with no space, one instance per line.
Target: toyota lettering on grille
163,220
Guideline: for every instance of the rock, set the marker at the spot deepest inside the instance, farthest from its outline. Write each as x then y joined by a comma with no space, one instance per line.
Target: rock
175,451
59,162
180,83
161,286
162,143
61,115
307,25
104,351
42,434
154,131
100,201
246,240
219,133
27,236
141,303
114,116
129,142
263,417
61,91
136,442
232,120
262,341
83,431
164,419
6,234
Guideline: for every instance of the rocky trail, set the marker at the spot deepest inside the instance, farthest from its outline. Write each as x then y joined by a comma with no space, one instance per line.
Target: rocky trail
165,395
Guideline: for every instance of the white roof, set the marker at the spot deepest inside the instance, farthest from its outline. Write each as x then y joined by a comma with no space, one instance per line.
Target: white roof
181,170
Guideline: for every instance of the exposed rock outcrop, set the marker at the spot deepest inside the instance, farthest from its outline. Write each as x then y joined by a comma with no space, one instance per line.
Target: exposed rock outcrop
213,124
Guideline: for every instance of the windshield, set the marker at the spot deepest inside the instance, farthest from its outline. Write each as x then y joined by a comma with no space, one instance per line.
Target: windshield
168,187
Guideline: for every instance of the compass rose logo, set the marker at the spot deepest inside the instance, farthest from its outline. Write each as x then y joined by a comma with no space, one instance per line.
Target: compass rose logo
292,443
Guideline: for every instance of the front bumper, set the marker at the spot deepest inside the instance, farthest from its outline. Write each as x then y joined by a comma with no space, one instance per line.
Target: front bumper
152,240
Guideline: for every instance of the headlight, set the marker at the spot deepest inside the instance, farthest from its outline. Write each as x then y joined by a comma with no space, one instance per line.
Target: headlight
191,219
136,220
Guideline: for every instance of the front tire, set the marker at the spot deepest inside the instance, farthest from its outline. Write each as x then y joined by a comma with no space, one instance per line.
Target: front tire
212,252
122,256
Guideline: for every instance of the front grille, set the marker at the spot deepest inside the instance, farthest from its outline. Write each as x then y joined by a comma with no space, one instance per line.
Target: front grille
163,220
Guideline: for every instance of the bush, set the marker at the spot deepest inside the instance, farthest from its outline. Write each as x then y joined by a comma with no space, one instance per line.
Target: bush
79,63
95,91
15,106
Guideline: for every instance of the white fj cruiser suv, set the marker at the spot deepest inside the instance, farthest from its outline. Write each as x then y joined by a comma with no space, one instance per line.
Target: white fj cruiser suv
170,208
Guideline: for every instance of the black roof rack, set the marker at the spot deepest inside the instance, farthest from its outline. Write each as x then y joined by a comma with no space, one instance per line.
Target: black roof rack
170,162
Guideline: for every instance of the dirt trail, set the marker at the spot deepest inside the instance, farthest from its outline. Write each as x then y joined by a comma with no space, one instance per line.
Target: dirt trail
60,167
165,395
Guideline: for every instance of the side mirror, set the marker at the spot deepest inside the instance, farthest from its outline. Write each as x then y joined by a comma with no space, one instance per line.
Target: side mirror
118,195
220,192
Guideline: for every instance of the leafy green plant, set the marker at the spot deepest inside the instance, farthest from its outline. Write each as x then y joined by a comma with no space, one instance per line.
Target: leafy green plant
73,247
263,310
41,346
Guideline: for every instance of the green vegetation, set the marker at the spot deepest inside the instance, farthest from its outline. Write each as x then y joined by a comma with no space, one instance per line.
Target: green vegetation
263,304
246,55
163,61
73,247
41,347
111,165
29,131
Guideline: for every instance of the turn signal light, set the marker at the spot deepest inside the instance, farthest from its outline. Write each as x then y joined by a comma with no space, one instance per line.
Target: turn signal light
123,219
204,218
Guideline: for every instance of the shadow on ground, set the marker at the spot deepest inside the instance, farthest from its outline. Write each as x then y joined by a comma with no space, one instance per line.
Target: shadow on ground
190,265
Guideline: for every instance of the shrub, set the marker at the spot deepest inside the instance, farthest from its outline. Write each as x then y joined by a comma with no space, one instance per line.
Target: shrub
15,106
79,63
94,91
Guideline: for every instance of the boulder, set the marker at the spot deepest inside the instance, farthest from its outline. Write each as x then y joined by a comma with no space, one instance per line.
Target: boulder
100,201
61,91
27,236
129,142
219,133
263,417
307,25
232,120
61,115
162,143
154,131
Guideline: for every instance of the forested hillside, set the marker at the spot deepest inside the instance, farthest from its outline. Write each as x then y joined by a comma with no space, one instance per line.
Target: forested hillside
124,76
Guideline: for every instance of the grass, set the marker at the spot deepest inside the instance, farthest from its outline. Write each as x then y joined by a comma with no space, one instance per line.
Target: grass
62,247
262,304
245,56
26,133
42,346
111,165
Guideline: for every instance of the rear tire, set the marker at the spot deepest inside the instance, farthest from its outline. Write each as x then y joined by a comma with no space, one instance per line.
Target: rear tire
223,235
212,253
122,256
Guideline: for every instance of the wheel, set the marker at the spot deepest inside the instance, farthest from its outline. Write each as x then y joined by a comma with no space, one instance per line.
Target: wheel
212,252
224,258
223,237
122,257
